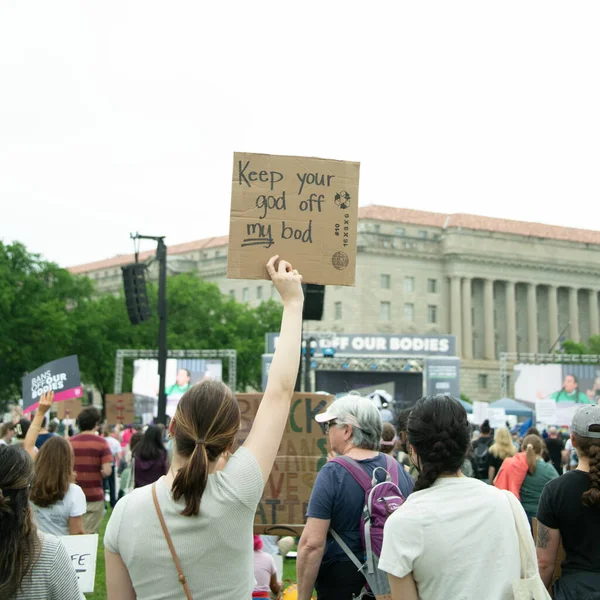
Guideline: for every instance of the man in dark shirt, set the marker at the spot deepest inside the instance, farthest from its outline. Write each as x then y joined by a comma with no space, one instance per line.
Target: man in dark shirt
555,446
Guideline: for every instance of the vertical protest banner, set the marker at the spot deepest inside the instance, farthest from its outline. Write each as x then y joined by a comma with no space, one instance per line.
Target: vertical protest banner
60,375
303,451
304,209
83,550
120,409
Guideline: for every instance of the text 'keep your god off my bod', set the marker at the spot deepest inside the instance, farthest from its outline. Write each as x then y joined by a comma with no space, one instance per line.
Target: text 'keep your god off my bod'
304,209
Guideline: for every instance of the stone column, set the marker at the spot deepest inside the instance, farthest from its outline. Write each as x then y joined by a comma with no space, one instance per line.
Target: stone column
467,318
511,317
553,313
574,314
488,319
594,325
455,309
532,330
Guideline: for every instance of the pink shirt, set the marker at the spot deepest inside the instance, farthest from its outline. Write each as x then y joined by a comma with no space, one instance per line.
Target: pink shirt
126,437
264,568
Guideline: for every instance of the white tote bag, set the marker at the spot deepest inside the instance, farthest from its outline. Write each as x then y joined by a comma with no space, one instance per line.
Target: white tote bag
530,586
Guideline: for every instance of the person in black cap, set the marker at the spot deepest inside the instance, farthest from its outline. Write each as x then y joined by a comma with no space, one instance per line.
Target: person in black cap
569,509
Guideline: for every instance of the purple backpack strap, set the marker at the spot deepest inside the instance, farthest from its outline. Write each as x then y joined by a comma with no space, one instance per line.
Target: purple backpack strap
359,475
392,469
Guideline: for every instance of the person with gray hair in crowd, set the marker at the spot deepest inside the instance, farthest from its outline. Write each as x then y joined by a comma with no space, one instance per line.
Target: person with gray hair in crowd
354,427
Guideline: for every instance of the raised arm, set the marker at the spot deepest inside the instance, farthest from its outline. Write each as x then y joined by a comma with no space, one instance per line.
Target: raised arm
36,426
265,437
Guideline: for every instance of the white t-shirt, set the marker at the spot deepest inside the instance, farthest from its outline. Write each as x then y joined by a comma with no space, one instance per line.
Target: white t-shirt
215,548
114,445
54,519
458,539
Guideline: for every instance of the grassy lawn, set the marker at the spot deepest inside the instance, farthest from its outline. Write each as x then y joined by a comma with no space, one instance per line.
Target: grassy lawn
289,567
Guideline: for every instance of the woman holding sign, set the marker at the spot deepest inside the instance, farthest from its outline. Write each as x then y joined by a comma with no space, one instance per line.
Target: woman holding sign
194,526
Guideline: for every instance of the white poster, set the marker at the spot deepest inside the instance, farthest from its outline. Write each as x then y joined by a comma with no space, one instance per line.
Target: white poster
83,550
545,412
480,412
497,417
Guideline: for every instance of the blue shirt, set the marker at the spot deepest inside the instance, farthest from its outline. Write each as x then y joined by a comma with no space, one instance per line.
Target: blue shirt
337,497
43,437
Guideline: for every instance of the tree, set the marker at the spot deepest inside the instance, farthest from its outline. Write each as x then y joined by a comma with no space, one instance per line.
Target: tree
47,313
592,347
37,299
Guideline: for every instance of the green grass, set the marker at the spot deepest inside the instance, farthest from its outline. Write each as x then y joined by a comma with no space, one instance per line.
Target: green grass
289,566
100,583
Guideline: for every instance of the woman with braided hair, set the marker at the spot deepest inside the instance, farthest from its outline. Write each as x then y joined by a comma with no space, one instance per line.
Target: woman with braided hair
455,536
569,511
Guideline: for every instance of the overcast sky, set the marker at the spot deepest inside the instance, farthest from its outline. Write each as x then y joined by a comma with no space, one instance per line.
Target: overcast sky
122,116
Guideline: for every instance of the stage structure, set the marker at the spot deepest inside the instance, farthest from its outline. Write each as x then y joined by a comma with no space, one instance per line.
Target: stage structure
229,355
509,359
410,376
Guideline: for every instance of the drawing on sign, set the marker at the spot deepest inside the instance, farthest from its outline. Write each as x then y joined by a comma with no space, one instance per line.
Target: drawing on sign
291,206
339,260
342,199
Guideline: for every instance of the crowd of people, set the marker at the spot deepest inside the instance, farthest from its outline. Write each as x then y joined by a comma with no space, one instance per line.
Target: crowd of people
421,509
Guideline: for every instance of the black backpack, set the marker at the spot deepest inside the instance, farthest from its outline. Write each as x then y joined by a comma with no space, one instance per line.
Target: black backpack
480,459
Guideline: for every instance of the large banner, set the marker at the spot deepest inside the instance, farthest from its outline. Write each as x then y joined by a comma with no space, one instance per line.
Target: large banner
568,386
302,453
181,375
409,344
60,375
304,209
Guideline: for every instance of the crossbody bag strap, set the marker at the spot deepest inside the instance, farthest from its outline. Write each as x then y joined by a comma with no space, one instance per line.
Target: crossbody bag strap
180,574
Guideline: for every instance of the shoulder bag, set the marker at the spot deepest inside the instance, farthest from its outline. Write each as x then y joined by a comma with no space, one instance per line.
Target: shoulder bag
530,586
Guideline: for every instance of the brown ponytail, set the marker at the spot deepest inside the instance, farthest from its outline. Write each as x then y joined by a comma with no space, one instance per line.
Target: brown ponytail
590,448
206,423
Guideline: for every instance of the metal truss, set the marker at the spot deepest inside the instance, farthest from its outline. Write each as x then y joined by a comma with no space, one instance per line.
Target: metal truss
540,359
121,355
381,362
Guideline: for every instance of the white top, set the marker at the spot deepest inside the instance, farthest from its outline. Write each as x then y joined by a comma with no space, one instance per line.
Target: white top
114,445
216,548
450,536
54,519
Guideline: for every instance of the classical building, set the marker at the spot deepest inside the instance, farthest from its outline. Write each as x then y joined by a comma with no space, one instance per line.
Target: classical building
497,285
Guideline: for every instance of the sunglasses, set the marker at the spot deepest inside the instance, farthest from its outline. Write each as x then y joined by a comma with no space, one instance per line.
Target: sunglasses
327,426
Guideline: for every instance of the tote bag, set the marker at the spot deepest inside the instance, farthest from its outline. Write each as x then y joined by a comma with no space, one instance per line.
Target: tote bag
530,586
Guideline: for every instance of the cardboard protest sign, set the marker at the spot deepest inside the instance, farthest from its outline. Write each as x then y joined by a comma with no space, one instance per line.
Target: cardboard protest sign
120,409
302,453
304,209
61,375
83,550
69,409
